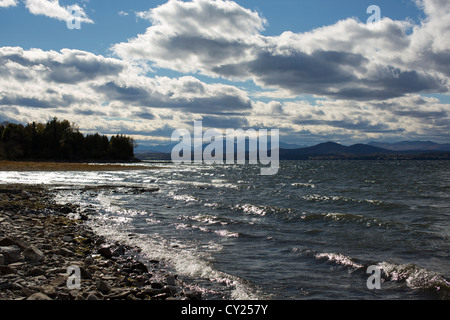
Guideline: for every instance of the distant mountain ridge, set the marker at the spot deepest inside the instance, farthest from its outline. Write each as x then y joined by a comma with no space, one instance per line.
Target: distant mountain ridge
330,149
412,145
333,150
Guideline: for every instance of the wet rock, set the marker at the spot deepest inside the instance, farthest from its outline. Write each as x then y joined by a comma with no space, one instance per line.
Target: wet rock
138,266
170,280
119,251
192,295
157,285
105,251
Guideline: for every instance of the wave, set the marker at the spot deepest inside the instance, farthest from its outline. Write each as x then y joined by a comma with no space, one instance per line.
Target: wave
346,217
343,199
302,184
188,262
261,210
414,276
339,259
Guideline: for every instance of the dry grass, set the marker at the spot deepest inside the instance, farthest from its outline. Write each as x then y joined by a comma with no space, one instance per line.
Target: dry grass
64,166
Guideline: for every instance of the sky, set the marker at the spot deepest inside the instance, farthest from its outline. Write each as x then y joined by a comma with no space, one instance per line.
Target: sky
318,71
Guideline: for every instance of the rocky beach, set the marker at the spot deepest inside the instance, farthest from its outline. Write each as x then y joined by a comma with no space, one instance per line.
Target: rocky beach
45,254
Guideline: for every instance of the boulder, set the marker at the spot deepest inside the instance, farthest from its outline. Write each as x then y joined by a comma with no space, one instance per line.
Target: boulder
36,272
4,270
119,251
10,254
105,251
39,296
103,287
92,297
13,241
64,252
139,267
33,254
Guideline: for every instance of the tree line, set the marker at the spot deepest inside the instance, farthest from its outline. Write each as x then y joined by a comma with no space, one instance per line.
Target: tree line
62,141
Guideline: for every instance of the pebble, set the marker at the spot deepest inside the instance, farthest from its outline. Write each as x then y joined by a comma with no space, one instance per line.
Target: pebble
37,247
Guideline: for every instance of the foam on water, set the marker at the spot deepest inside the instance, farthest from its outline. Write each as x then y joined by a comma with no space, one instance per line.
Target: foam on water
416,277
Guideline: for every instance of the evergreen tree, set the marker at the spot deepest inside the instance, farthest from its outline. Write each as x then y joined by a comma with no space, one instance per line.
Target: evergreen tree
60,140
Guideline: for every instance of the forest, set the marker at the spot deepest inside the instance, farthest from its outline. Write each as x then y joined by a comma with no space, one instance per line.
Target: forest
59,140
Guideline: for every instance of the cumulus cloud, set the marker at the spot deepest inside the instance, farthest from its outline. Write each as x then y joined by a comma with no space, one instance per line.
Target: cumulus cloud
347,60
52,9
190,36
8,3
80,84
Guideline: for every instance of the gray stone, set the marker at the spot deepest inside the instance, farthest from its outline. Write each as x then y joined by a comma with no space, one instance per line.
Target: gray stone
5,285
39,296
13,241
67,238
85,274
103,287
27,291
119,251
170,280
33,254
91,296
65,252
36,272
11,254
2,259
105,251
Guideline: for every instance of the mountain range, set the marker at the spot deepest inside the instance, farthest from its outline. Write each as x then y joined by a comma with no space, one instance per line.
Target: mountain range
333,150
412,145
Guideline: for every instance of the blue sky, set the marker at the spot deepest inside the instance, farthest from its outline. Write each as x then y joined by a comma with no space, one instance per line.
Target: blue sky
313,69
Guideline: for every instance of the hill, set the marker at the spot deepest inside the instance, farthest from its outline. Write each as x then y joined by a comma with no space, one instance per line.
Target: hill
412,145
335,151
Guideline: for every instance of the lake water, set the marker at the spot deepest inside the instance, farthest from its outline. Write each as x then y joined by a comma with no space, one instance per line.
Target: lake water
309,232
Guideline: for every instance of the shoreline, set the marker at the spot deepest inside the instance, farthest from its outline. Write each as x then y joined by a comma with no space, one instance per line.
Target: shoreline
70,166
39,244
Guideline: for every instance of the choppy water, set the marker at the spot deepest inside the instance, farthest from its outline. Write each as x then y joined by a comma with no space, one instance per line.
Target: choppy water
309,232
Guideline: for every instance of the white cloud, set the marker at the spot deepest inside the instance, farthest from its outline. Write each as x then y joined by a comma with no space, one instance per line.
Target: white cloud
8,3
190,36
347,60
108,95
95,91
52,9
